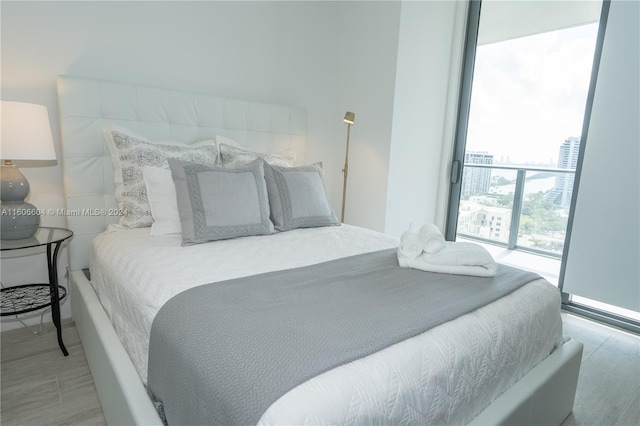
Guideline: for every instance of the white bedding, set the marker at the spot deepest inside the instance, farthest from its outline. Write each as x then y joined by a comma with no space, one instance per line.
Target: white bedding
446,375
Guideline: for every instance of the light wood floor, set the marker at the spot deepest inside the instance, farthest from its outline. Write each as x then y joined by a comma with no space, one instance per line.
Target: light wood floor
42,387
609,382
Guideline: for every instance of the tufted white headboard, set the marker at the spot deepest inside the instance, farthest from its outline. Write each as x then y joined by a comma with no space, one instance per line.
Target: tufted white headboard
85,105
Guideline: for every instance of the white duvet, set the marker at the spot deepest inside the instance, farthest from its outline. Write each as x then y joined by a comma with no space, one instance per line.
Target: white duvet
447,375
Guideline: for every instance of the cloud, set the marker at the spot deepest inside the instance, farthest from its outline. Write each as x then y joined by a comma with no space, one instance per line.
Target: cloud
529,94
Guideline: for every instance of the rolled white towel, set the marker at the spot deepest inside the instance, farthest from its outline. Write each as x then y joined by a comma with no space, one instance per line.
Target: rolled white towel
410,245
455,258
432,239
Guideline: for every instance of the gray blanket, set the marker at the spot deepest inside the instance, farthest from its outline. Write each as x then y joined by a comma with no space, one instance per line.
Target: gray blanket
222,353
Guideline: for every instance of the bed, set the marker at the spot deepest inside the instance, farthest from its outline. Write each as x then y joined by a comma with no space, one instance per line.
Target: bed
394,385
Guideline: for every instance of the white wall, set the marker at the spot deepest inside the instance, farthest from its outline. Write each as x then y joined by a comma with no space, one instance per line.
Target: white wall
604,253
281,52
327,57
368,64
425,105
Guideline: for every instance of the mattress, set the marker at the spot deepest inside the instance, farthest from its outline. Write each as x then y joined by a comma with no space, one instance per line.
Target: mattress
446,375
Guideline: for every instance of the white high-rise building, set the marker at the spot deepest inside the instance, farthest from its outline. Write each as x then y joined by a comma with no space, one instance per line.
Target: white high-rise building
568,159
476,180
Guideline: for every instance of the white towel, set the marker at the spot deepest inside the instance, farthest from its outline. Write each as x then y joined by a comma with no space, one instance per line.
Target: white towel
410,245
454,258
432,239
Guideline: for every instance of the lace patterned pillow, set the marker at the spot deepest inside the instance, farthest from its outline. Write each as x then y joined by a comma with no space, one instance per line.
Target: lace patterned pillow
233,156
130,153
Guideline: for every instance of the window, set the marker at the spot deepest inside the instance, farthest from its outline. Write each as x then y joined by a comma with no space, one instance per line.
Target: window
527,95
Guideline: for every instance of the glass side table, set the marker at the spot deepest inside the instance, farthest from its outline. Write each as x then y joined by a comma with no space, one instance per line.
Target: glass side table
25,298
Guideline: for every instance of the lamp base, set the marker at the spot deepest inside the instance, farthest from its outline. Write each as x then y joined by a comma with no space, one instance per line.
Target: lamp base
18,220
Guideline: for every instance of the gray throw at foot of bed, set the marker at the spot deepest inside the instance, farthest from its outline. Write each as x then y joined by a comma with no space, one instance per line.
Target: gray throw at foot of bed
222,353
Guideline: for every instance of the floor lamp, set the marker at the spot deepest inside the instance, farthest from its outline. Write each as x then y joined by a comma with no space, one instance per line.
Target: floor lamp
349,118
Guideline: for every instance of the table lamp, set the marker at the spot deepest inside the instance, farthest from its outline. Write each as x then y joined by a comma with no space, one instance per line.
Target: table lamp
25,135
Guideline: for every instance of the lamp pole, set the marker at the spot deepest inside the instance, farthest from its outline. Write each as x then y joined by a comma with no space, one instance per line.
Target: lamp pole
349,118
345,172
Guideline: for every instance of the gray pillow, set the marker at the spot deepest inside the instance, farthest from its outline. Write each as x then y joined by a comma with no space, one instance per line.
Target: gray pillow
216,203
298,197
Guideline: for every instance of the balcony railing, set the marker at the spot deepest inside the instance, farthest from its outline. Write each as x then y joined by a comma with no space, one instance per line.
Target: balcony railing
534,206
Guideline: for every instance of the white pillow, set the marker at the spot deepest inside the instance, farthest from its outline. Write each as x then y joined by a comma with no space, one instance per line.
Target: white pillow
131,152
162,200
233,154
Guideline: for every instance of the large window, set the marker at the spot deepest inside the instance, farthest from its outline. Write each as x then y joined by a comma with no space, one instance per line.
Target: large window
526,113
529,78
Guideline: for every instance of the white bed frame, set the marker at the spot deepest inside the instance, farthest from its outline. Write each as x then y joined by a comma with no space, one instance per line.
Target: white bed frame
544,396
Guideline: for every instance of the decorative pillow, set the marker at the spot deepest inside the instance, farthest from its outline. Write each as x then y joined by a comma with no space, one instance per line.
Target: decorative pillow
161,193
232,156
298,197
131,152
216,203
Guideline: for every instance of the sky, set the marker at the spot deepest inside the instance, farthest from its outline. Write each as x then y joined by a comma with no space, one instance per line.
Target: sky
529,94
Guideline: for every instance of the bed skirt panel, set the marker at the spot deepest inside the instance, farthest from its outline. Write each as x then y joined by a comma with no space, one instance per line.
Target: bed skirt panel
544,396
122,395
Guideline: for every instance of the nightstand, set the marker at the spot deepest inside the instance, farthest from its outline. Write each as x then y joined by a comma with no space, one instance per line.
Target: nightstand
25,298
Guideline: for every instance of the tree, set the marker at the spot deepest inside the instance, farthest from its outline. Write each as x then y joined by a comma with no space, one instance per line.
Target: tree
504,181
540,216
505,200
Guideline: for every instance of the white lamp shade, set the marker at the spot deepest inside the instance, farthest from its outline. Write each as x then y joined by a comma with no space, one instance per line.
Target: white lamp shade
26,132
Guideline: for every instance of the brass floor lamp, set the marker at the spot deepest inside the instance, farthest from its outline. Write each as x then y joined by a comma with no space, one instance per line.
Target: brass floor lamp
349,118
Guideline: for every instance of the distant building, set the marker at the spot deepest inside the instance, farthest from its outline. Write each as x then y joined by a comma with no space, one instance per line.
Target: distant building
476,180
568,159
483,221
